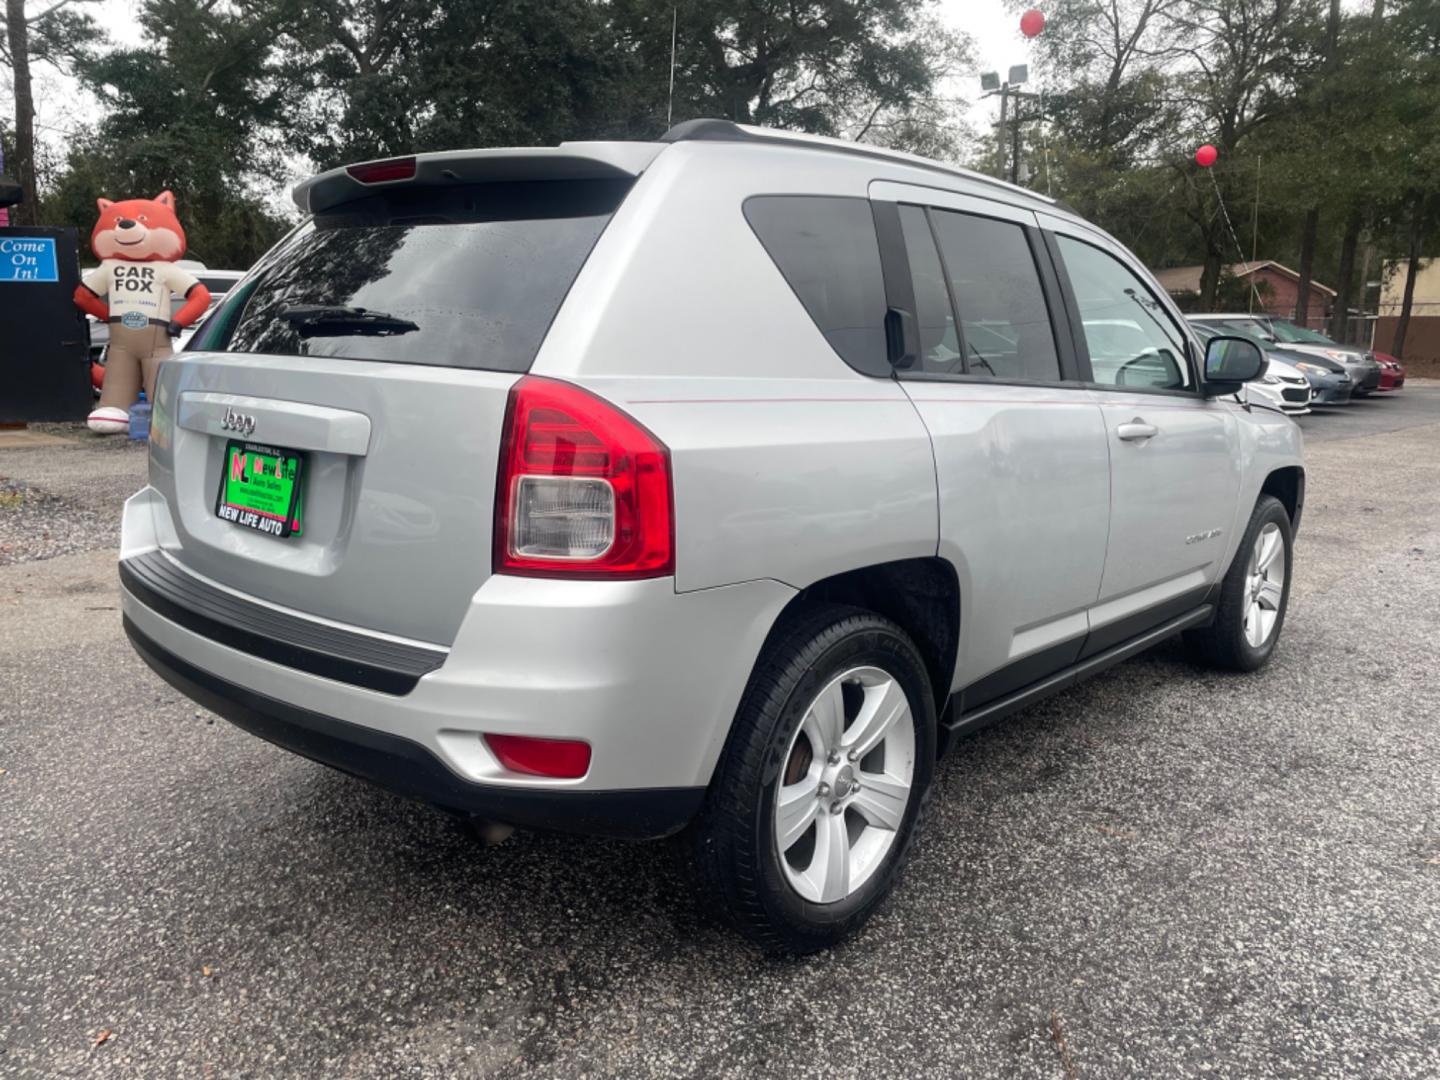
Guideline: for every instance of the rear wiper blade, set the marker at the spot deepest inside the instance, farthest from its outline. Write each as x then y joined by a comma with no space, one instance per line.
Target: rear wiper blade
323,320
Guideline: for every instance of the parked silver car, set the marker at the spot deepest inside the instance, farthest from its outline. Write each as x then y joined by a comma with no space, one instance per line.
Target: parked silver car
1359,362
712,484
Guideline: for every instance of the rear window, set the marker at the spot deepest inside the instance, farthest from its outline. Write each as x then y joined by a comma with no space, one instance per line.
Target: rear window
827,250
469,276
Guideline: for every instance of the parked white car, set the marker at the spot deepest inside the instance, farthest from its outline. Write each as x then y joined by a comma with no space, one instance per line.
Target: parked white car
1283,387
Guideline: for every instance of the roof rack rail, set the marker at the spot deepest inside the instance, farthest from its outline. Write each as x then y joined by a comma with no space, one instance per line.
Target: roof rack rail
712,130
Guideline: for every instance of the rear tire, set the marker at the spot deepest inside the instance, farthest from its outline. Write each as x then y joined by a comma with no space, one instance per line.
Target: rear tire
822,782
1253,596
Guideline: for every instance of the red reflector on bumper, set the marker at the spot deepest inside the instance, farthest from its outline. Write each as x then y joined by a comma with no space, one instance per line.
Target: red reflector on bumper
562,759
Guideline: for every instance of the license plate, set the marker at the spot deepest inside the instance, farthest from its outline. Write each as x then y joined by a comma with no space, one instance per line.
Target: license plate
260,488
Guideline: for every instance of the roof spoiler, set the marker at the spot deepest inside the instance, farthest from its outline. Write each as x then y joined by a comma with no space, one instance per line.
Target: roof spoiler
568,161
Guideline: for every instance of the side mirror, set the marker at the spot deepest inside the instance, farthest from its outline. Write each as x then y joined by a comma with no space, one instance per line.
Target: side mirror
1231,362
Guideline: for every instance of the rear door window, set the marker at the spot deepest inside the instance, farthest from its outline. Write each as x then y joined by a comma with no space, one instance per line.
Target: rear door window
1005,329
827,250
466,276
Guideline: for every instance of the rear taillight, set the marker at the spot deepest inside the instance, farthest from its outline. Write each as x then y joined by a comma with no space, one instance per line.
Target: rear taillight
583,490
561,759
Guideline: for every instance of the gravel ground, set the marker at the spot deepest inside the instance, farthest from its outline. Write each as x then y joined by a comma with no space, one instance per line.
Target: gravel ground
59,500
1164,872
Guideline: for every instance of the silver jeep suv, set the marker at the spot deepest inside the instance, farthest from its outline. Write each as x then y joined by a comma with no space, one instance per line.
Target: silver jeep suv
709,486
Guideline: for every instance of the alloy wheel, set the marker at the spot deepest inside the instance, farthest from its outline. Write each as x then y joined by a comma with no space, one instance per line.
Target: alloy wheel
845,788
1265,585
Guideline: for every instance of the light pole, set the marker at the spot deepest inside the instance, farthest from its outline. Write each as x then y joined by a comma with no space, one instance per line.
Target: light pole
1009,142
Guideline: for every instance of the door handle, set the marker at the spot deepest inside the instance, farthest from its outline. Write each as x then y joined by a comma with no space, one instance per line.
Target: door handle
1137,429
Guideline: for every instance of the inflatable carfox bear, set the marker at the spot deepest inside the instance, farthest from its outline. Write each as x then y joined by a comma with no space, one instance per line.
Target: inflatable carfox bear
137,242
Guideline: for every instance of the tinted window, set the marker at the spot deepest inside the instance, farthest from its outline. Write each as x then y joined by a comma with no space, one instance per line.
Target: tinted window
939,344
472,276
1004,323
827,250
1132,341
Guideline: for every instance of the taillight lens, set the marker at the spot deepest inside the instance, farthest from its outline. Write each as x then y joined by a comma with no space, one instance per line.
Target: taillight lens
583,490
560,759
379,172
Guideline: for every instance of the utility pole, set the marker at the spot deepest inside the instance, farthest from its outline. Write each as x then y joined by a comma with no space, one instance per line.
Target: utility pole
1004,116
1007,141
674,27
1015,143
1255,230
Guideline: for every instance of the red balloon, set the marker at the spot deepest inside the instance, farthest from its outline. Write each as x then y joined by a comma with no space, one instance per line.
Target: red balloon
1032,22
1206,156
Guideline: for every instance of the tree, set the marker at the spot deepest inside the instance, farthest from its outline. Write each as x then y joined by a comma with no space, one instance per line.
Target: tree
1323,107
221,97
1111,56
387,78
377,79
1241,62
1339,101
817,66
195,109
1365,131
1421,217
55,36
1417,32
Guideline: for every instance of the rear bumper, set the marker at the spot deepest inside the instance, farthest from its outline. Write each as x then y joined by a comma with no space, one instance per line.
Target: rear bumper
303,644
649,677
408,768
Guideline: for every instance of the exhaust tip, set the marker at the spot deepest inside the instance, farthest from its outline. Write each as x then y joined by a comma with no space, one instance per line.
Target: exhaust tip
490,833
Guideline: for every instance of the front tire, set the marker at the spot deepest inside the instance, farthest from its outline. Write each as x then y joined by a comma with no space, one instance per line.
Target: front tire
817,795
1253,596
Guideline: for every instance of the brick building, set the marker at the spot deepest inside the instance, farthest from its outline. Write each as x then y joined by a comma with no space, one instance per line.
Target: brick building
1278,285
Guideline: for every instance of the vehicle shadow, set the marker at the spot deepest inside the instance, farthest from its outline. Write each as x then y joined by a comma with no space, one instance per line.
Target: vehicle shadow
376,915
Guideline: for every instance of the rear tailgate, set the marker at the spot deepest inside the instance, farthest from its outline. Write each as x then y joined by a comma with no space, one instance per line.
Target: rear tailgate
398,484
371,355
